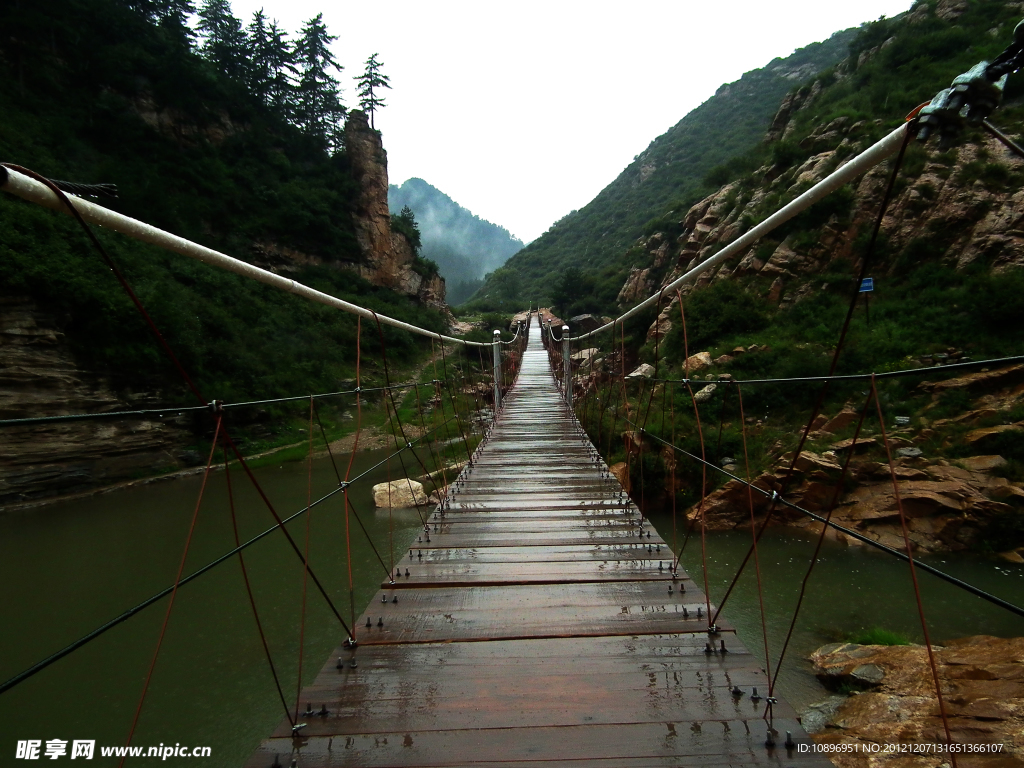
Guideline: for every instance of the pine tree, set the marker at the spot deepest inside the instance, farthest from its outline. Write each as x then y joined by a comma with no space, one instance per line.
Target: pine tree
224,41
372,79
172,15
319,110
271,67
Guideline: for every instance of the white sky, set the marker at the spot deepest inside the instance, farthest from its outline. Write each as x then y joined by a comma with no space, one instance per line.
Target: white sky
522,112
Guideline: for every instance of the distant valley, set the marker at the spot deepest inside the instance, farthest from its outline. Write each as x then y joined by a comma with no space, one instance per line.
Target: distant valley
465,247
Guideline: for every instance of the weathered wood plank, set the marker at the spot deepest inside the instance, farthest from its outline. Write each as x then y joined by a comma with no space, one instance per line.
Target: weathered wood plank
535,627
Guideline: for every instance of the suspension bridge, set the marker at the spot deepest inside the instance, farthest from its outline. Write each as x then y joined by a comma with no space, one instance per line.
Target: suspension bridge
539,619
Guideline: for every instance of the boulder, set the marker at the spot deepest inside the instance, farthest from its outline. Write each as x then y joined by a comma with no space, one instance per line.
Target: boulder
977,438
697,362
982,680
705,394
621,473
584,324
981,381
399,493
583,355
644,371
840,421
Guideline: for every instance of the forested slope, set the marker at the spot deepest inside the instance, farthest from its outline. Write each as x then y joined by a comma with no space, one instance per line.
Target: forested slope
231,138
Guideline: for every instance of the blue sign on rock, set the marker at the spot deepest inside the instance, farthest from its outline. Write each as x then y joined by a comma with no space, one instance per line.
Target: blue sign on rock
867,284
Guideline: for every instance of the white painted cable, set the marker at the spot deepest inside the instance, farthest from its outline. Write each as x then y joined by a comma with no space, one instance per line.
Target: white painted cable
863,162
29,189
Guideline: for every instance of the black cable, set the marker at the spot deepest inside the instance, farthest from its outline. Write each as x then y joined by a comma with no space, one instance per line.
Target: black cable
860,537
179,410
41,665
851,376
87,190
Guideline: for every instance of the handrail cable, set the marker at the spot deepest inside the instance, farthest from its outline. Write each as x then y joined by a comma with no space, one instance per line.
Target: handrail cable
863,162
27,188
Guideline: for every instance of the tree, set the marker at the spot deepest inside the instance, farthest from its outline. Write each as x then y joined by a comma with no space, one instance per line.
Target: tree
507,283
405,222
372,79
319,110
172,15
224,42
271,65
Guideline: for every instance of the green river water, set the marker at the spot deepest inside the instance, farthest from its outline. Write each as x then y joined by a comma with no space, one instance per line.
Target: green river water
69,567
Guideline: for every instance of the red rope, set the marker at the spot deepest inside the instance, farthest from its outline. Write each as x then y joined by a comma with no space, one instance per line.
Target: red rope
835,359
769,714
913,573
701,514
248,589
305,561
836,493
174,592
284,530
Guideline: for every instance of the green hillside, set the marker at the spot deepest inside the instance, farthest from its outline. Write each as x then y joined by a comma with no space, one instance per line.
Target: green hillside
231,139
670,173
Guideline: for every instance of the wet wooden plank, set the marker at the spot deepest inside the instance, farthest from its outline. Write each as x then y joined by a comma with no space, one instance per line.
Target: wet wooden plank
532,554
536,627
672,742
469,573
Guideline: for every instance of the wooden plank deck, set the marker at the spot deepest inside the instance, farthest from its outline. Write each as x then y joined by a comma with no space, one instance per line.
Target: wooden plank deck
536,627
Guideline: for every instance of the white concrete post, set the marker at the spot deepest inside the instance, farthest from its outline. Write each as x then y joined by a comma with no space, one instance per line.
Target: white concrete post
497,370
567,365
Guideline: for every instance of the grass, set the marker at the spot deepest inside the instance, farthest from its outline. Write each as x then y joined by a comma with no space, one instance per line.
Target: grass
877,636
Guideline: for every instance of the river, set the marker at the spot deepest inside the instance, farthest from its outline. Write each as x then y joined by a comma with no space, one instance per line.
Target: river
69,567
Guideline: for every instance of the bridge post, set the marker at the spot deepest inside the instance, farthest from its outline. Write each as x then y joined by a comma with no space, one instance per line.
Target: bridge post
497,371
567,365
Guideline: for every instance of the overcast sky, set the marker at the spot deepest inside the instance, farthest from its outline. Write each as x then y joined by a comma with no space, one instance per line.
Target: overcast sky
522,112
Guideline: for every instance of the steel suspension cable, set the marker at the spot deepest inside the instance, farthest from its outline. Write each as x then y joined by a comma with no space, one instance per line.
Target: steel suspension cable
177,583
1015,609
248,590
865,264
833,503
769,710
120,619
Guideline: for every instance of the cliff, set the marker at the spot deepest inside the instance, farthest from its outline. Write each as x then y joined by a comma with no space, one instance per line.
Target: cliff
389,259
40,377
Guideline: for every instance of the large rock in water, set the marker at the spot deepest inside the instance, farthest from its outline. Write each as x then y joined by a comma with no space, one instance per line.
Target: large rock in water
982,682
399,493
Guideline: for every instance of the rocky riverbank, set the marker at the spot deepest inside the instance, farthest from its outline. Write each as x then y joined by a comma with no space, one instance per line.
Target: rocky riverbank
892,700
952,504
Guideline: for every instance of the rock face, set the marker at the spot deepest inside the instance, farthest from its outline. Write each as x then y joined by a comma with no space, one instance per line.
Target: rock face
942,206
39,377
388,257
399,493
982,682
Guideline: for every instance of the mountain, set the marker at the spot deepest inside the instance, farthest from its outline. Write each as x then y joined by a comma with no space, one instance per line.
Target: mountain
102,91
948,287
465,247
670,173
